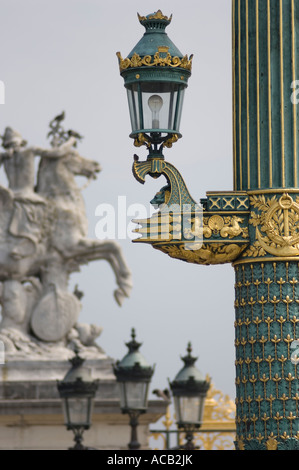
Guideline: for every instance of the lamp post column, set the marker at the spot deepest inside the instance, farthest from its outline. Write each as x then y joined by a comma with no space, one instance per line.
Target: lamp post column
256,226
266,140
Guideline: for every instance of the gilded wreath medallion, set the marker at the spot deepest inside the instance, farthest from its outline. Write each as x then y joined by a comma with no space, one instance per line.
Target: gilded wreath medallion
277,224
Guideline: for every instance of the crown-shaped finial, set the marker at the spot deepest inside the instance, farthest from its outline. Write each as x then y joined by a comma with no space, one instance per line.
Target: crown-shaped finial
133,345
189,360
152,17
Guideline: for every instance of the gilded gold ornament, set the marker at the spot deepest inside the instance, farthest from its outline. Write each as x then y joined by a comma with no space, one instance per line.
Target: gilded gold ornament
277,226
155,16
216,223
272,443
169,142
214,253
142,140
157,60
226,227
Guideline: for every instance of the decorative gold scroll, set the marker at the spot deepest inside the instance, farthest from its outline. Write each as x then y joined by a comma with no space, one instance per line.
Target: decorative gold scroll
156,60
214,253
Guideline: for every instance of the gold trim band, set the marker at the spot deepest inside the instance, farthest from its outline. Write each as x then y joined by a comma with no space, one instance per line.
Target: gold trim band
272,191
265,260
157,60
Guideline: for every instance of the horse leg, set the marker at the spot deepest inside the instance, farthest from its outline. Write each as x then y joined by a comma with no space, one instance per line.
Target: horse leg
111,252
124,281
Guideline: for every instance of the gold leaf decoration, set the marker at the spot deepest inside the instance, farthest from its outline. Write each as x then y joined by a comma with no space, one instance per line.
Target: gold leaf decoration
157,60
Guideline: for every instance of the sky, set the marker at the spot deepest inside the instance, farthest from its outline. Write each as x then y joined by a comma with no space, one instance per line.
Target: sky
61,55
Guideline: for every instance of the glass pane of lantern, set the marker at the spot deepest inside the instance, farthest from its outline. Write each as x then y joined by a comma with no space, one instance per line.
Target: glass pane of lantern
65,409
122,394
201,408
134,107
190,409
155,107
77,411
177,408
159,102
136,395
178,111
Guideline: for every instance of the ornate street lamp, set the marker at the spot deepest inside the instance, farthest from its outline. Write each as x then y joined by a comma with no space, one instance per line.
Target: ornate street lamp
189,390
77,391
156,74
255,225
133,375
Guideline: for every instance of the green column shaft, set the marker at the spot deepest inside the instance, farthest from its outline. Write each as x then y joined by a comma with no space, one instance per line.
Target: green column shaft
266,165
265,120
267,325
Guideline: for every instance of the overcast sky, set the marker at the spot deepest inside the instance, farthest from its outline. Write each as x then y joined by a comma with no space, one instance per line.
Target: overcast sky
61,55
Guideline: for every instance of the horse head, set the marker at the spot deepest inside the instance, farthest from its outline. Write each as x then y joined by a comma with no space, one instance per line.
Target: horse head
80,166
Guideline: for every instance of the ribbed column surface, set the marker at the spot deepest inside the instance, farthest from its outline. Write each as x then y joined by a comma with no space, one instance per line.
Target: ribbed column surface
265,110
267,332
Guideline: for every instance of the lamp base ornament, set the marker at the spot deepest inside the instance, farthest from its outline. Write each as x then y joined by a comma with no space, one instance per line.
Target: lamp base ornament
214,232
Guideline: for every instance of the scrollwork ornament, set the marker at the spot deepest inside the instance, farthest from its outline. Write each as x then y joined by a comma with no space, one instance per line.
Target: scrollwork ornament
216,253
225,227
169,142
157,60
142,139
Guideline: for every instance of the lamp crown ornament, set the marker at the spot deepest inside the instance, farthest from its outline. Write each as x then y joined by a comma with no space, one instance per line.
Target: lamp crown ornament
133,345
155,48
158,16
189,376
76,360
78,380
133,366
189,360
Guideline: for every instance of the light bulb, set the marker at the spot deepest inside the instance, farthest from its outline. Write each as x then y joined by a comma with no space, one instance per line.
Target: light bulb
155,104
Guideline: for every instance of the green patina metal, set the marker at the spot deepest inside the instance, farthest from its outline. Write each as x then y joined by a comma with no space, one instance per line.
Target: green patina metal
154,36
266,54
267,325
154,49
133,367
256,225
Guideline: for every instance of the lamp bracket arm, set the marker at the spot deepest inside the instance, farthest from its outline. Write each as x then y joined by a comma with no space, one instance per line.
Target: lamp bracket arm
177,191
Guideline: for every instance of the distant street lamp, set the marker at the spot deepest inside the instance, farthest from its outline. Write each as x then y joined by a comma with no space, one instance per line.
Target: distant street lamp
77,391
189,390
133,375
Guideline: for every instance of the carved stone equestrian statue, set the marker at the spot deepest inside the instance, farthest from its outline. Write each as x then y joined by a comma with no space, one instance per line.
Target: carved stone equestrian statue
43,239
